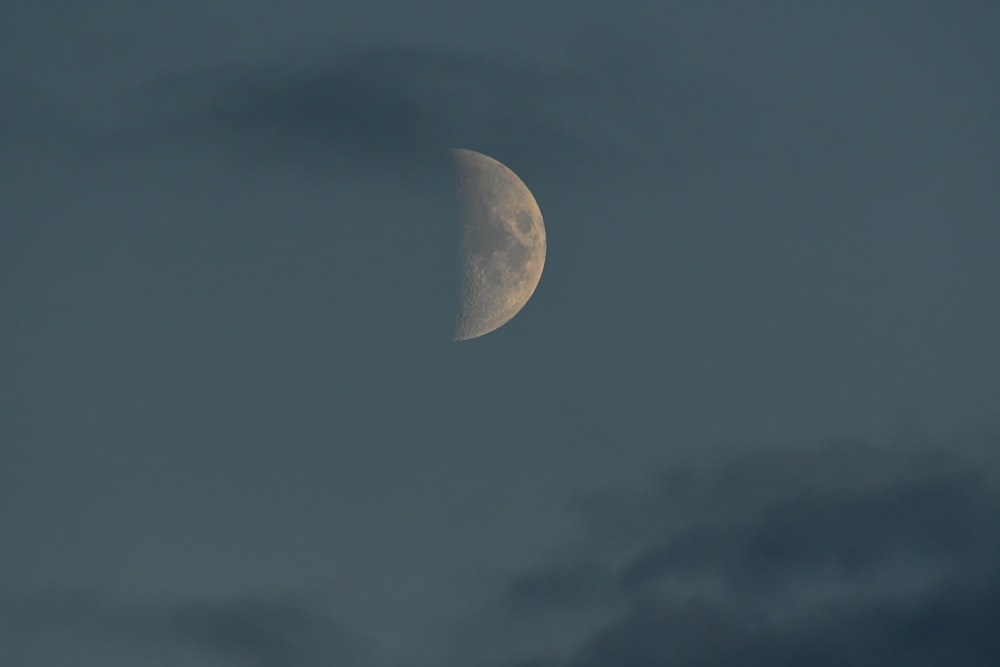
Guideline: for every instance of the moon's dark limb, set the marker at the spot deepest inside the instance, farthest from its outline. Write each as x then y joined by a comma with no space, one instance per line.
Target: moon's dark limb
503,244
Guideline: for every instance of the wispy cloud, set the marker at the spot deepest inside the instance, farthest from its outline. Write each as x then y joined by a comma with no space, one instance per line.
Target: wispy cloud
256,631
847,553
577,117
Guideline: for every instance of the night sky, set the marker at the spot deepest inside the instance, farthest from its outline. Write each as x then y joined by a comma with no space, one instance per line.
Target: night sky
751,415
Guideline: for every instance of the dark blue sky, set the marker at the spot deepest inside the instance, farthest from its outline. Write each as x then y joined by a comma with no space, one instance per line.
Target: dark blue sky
749,416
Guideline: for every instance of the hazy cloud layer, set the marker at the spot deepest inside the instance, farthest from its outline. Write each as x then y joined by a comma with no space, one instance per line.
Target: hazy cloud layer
70,626
386,106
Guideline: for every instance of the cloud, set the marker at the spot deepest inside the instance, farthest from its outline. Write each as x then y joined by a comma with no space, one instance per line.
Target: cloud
578,117
847,553
246,631
941,627
850,552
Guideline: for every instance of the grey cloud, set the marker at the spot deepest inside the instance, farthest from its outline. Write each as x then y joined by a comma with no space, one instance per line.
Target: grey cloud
256,631
581,117
943,627
565,586
847,553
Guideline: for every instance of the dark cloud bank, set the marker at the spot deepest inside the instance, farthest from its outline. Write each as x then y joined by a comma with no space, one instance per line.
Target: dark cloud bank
849,553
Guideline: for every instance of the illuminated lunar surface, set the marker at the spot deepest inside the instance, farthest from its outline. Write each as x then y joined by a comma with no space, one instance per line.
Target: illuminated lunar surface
503,244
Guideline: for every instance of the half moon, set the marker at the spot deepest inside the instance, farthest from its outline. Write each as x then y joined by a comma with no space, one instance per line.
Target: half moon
502,246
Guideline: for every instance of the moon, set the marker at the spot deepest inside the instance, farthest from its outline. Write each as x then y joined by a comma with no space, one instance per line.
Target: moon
502,244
